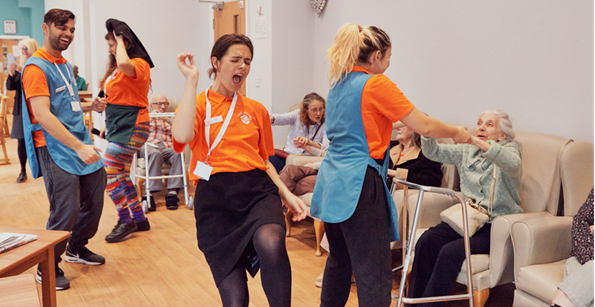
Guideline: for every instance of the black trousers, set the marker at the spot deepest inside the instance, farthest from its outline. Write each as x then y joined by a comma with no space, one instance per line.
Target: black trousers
361,245
439,255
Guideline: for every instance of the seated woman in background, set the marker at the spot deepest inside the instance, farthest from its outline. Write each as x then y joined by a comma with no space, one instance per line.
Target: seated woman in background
408,162
576,289
440,252
307,135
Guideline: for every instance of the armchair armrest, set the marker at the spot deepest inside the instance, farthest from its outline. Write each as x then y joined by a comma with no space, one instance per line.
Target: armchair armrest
300,160
541,240
501,250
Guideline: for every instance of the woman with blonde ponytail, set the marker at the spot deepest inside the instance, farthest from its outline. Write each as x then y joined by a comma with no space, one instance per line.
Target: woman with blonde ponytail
351,196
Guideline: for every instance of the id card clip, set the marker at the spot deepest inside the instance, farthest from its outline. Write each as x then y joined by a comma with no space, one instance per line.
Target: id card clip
76,106
203,170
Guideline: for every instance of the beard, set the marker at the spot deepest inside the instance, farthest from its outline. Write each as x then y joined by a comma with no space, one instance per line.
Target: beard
58,44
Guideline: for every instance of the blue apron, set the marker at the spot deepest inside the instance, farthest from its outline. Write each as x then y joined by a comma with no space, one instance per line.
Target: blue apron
342,172
60,106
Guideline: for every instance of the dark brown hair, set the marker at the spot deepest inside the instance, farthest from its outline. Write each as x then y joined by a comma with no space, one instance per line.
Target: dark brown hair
304,118
58,17
222,45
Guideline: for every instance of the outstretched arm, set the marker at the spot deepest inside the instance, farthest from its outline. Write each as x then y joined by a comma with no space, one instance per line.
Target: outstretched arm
433,128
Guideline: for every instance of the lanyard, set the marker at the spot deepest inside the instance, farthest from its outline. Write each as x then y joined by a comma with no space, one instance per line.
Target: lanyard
68,84
208,122
108,80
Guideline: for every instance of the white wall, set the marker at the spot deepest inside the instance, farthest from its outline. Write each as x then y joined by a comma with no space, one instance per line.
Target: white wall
453,59
292,58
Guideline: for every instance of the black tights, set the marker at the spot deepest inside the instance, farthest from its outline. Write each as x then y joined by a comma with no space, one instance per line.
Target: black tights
22,151
275,274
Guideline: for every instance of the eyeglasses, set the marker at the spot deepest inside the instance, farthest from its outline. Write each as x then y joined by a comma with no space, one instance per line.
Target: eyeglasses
162,104
316,110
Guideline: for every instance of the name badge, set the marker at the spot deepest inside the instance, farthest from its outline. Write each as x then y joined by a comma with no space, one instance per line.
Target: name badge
76,106
61,88
203,170
213,120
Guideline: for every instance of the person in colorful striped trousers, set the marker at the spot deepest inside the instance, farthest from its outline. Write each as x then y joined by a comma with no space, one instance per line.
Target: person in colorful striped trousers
126,84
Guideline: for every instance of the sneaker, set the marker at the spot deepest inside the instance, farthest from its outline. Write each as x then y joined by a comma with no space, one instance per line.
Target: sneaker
151,205
142,226
171,201
22,177
121,230
84,256
318,281
61,282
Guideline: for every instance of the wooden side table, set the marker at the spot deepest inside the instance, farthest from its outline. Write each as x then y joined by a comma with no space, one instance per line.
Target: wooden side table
40,251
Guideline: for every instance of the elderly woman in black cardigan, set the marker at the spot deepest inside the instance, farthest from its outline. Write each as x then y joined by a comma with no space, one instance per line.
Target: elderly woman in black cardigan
408,162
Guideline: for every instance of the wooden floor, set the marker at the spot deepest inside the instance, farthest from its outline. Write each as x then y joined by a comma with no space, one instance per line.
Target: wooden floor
163,266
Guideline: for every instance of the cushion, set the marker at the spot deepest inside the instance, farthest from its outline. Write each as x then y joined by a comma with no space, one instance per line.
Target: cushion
541,280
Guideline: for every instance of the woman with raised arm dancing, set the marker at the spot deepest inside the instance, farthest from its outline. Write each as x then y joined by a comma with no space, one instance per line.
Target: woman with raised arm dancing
239,220
126,84
350,195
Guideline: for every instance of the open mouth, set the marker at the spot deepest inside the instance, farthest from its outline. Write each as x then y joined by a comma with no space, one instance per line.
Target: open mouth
237,79
65,40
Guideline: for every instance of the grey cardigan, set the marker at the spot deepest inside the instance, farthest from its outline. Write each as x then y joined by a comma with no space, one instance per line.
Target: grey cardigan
476,168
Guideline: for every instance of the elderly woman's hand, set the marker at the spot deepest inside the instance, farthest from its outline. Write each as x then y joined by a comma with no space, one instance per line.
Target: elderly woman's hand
483,145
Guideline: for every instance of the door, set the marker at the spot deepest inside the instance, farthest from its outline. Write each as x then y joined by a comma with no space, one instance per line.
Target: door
231,19
6,47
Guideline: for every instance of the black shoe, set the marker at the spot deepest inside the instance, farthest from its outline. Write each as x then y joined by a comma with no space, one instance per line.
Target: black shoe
22,177
171,201
151,205
61,282
142,226
84,256
121,230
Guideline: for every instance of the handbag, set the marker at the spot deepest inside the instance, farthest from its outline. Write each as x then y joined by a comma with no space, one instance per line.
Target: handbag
281,153
477,216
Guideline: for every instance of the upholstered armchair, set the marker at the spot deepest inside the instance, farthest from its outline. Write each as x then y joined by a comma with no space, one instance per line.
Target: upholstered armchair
300,160
542,245
541,154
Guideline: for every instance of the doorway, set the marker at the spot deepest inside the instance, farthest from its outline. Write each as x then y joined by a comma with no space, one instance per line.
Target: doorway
231,19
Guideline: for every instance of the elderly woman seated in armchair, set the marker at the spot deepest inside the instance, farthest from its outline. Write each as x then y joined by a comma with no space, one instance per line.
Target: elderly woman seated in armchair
440,250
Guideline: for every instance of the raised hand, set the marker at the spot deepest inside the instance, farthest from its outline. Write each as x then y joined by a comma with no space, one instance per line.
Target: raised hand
188,69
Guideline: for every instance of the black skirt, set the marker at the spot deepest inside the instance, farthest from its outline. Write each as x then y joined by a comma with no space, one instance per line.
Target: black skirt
228,209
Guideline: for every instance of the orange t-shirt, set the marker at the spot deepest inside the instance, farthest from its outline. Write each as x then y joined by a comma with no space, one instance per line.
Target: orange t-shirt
127,91
383,103
35,84
247,142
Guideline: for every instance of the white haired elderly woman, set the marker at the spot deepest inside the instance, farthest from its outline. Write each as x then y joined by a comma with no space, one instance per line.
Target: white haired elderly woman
440,252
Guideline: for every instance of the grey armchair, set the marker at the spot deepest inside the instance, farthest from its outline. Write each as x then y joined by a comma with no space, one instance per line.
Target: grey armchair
541,245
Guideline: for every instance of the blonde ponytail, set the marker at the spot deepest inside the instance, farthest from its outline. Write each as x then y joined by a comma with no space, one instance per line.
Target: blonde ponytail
353,44
344,52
